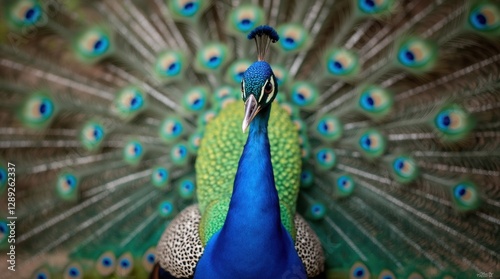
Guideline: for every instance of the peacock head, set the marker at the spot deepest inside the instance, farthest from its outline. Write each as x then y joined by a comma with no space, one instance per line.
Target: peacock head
259,86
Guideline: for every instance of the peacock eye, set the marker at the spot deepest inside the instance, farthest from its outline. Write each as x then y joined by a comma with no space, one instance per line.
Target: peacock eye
268,88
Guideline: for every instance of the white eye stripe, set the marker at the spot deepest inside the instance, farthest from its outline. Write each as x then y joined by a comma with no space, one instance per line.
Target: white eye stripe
242,89
262,91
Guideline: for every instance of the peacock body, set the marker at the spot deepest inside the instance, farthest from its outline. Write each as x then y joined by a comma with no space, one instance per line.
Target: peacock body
121,123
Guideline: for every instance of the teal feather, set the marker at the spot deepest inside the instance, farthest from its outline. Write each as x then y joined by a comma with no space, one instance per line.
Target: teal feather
106,104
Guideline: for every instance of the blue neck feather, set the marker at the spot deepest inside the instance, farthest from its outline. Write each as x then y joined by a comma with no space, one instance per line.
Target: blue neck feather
254,209
254,191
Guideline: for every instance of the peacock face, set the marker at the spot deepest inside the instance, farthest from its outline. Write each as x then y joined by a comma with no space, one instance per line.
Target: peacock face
259,81
258,89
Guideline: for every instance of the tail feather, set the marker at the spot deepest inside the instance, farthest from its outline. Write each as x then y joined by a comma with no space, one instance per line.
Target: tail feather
104,105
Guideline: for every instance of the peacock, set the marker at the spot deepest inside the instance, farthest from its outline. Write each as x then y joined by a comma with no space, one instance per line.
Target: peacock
250,139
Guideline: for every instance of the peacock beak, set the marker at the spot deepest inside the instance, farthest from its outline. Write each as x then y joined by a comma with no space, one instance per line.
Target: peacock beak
251,110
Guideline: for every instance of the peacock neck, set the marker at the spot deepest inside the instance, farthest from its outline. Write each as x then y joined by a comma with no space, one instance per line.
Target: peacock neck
253,223
254,191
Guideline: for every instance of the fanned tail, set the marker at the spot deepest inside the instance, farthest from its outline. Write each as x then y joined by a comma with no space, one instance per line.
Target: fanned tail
104,103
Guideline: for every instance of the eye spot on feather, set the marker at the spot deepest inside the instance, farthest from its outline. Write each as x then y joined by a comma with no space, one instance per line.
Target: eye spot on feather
329,128
68,181
404,169
171,129
211,57
134,149
195,99
165,209
73,271
403,166
148,259
317,211
105,265
485,17
294,37
125,264
25,13
38,110
186,188
92,135
179,154
133,152
304,94
453,122
375,101
325,158
450,121
169,65
32,15
372,143
359,271
465,196
93,44
342,63
417,54
160,177
100,45
129,102
67,186
245,18
345,185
